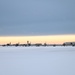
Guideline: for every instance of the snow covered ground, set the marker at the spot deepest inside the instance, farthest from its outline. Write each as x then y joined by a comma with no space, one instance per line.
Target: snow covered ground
37,60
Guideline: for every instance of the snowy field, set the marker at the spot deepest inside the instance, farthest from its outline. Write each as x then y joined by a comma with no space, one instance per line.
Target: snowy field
37,60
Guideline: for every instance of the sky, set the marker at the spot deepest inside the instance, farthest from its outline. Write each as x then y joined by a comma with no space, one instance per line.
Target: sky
37,17
49,39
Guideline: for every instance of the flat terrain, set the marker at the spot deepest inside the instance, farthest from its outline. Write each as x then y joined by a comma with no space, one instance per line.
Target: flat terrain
37,60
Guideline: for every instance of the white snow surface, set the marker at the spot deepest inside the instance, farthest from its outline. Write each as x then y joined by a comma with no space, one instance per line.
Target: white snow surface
37,60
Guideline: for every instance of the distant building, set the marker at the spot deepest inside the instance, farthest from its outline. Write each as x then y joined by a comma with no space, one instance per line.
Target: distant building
38,44
69,44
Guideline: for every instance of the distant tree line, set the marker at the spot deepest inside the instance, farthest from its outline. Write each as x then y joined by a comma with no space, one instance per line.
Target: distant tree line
39,44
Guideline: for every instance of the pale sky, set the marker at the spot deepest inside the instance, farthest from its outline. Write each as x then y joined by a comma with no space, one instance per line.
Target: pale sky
50,39
37,17
24,18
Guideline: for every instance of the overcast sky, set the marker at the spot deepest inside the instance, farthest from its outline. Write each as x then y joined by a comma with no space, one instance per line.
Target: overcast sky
37,17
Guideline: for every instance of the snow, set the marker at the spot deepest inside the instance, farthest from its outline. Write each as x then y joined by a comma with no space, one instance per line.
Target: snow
37,60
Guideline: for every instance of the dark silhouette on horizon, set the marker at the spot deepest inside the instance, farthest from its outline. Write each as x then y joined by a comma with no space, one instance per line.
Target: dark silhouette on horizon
28,44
